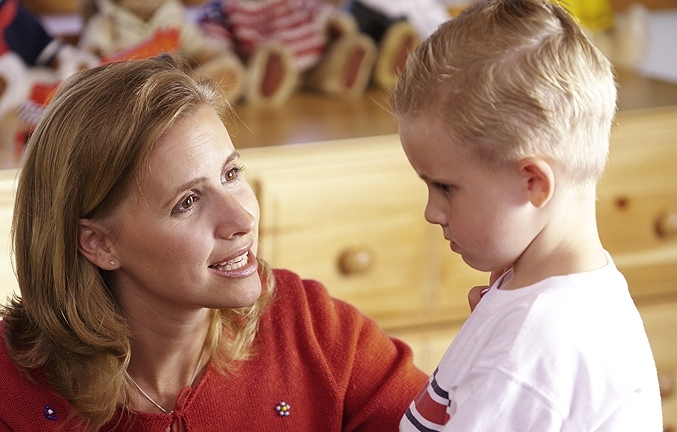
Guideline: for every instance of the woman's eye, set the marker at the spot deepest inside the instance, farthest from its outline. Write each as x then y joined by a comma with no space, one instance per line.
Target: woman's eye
185,205
233,174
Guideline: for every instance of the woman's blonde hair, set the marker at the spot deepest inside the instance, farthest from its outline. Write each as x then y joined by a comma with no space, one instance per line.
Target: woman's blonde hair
87,151
515,78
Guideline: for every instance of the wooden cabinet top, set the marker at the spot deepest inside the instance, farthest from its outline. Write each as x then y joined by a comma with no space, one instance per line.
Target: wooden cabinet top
313,117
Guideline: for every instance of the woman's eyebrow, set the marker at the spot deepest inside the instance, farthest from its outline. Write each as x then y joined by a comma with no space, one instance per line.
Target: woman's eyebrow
191,183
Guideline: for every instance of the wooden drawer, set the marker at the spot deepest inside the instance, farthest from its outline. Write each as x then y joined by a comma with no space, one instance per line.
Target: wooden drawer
428,344
660,321
637,208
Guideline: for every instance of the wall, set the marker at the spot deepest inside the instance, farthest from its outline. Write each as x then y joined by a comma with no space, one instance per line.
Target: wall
660,60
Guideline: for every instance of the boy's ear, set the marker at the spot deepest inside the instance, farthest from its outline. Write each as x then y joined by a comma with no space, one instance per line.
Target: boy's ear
540,179
95,245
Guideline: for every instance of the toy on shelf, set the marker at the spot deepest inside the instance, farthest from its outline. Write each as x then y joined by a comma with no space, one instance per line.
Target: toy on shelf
111,27
397,27
162,41
30,111
287,44
621,36
29,55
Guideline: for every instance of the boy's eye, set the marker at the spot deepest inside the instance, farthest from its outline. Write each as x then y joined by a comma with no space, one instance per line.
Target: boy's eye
444,188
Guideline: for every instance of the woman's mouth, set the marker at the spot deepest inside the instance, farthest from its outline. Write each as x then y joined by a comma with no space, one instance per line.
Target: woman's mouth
233,264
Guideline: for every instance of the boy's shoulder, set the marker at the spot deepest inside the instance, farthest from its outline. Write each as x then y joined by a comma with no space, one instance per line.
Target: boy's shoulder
580,329
587,319
577,314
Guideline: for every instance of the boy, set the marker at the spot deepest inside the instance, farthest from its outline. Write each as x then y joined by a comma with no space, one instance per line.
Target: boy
505,113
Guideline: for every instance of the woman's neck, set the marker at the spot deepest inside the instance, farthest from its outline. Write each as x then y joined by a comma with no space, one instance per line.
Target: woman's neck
166,356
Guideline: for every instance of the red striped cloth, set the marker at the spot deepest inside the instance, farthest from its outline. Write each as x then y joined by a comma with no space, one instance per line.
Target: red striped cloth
428,411
246,25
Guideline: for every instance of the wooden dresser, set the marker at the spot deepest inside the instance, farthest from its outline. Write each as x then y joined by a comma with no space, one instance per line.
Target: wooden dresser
341,204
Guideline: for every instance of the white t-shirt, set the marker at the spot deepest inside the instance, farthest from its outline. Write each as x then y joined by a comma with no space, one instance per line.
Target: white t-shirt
568,353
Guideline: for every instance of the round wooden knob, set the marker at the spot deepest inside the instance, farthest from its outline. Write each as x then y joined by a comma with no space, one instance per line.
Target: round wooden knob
666,381
354,261
666,224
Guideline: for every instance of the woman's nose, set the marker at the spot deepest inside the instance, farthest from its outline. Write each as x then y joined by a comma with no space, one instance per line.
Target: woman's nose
236,216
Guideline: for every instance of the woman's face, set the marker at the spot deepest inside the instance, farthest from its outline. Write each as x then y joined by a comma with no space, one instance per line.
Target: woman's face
186,233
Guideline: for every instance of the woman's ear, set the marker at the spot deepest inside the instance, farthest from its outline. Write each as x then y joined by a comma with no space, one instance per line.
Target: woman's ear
540,179
95,245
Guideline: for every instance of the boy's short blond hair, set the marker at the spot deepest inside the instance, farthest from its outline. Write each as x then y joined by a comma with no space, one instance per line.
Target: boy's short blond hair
515,78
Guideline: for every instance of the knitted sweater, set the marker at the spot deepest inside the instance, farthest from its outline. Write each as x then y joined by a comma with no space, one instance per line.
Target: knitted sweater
316,358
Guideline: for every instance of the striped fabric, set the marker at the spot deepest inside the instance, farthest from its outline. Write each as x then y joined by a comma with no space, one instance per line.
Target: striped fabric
245,25
428,412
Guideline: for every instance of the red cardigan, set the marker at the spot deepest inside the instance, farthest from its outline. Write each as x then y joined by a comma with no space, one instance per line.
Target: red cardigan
332,367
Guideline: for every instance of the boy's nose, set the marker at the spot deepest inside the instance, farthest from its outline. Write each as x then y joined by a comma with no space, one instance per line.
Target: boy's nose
434,214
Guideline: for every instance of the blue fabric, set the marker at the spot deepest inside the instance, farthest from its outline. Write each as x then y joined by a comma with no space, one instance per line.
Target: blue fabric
25,35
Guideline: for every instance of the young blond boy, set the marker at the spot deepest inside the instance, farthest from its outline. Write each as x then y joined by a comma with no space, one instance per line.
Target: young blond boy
505,113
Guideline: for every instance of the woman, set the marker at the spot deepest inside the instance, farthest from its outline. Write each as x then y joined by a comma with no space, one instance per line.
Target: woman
143,305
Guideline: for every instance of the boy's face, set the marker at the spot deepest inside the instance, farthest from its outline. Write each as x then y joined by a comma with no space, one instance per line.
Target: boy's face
484,211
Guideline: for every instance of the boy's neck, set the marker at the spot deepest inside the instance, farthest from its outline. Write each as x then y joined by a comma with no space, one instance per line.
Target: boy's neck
568,243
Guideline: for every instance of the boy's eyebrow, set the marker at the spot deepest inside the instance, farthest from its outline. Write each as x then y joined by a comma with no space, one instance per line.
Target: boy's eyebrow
426,179
189,184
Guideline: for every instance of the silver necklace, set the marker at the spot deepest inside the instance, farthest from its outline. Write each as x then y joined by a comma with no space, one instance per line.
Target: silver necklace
190,384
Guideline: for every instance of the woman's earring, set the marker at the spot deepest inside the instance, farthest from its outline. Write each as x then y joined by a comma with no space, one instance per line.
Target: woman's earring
112,263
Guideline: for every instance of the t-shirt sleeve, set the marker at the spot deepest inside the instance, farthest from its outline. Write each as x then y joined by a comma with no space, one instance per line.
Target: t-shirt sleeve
631,415
501,403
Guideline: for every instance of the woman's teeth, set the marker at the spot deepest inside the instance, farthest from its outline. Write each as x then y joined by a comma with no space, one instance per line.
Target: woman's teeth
233,264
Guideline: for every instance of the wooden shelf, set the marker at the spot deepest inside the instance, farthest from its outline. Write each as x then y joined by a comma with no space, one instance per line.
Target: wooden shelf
312,117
